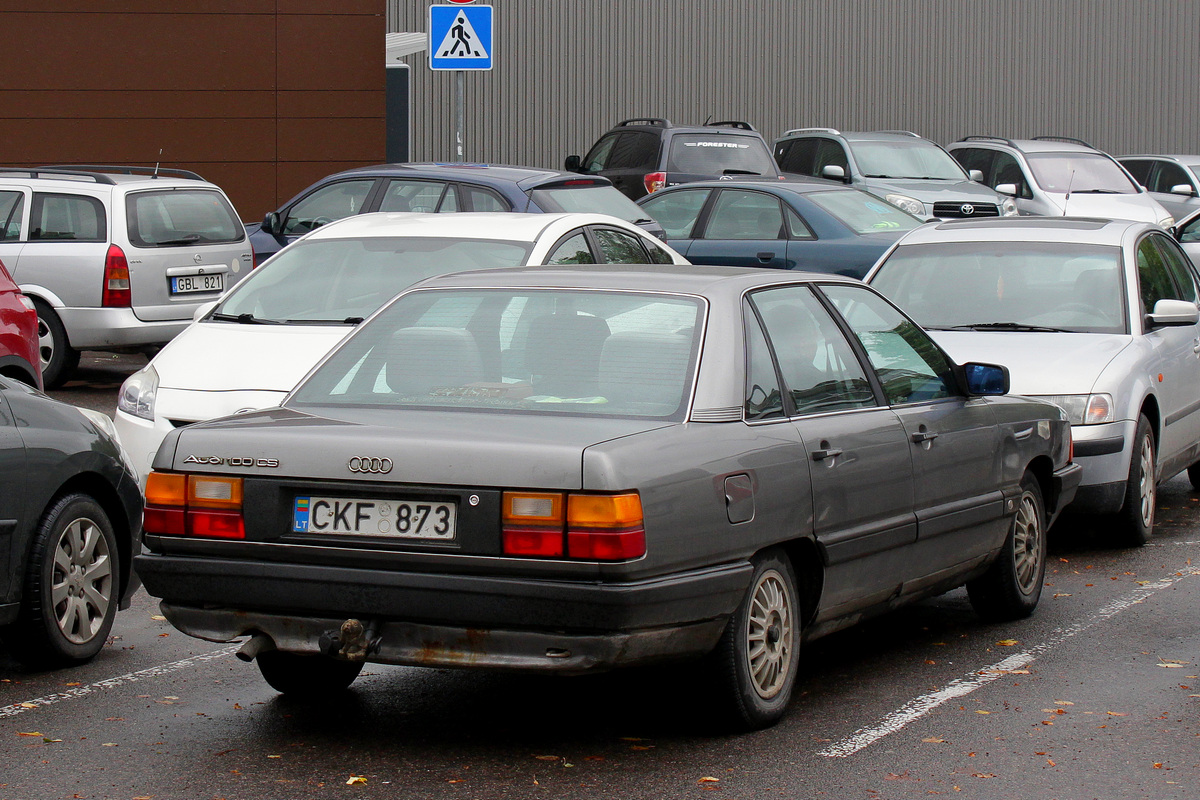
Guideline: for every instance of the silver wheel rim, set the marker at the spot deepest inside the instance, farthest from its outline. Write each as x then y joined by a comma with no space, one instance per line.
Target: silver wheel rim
45,343
1146,488
81,581
770,634
1027,543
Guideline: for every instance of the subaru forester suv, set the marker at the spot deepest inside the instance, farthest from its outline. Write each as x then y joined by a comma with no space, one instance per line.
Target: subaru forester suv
115,258
907,170
1057,176
645,154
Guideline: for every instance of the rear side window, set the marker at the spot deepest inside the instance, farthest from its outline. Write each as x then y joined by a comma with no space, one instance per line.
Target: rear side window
11,206
634,151
67,217
719,154
327,204
480,198
676,211
620,247
177,217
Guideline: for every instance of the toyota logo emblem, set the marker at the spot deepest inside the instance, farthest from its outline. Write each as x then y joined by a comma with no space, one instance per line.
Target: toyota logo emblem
366,464
967,209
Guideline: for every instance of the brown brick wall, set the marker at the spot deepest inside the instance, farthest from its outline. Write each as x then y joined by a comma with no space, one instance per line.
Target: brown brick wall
259,96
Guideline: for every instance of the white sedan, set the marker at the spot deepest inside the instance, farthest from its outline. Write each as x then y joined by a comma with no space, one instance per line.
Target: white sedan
257,342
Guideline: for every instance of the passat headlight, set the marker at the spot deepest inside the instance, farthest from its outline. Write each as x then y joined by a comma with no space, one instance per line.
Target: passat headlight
1008,207
137,393
905,203
1083,409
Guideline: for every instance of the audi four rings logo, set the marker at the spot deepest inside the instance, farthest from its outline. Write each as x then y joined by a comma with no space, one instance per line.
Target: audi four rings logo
378,466
967,209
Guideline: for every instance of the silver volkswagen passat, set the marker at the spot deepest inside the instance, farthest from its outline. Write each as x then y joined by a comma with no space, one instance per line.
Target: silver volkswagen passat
1097,316
577,469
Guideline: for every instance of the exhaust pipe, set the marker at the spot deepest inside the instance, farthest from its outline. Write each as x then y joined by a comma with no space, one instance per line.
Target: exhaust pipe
258,643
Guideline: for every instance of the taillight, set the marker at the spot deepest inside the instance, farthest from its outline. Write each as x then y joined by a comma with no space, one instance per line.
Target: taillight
208,506
654,181
586,527
116,279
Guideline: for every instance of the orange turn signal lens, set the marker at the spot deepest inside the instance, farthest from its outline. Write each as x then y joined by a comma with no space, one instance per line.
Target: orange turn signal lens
163,489
604,511
212,491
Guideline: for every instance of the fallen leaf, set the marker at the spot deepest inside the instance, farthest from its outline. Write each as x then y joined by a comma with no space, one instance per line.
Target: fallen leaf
1062,594
934,740
983,775
1051,762
73,683
238,706
274,756
1170,666
641,747
27,705
632,739
158,617
35,733
50,741
1117,714
1158,765
982,712
546,758
109,744
709,779
1063,703
356,780
1007,642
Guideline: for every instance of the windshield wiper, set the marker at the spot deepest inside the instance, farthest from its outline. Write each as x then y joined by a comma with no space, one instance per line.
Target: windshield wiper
1096,191
1003,326
245,319
191,238
345,321
732,171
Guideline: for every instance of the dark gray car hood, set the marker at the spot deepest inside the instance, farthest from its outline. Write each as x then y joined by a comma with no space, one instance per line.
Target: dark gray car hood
427,447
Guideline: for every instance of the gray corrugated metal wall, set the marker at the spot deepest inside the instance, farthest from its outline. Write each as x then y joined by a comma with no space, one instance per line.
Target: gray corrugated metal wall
1118,74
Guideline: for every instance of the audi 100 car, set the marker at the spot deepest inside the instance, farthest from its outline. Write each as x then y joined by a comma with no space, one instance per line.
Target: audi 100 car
576,469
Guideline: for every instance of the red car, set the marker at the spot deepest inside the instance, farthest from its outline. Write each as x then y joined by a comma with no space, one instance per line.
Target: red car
18,334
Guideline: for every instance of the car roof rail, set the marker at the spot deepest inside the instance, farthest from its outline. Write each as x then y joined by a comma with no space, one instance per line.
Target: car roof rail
656,122
834,131
58,173
730,123
1068,139
111,169
1008,142
904,133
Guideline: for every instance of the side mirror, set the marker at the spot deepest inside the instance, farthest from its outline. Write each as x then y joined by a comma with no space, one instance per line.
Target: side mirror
573,164
1184,189
834,172
272,224
204,309
1173,312
985,379
976,175
1009,189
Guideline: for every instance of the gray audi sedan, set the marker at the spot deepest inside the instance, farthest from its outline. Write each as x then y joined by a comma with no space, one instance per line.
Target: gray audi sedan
567,470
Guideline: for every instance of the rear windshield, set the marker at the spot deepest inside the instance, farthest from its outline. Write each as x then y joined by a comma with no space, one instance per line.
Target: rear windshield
996,285
1079,173
702,154
181,217
342,281
596,198
555,352
864,213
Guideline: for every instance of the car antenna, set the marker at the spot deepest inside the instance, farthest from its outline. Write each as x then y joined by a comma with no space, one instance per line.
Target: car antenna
706,119
156,163
1067,199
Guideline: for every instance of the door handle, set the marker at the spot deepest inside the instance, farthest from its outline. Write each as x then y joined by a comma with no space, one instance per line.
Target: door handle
765,257
920,437
828,452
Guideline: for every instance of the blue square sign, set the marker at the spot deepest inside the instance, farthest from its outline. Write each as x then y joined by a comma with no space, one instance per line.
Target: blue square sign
460,37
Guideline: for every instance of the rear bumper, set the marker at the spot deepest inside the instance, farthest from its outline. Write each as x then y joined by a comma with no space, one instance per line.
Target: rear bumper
451,619
1066,487
101,328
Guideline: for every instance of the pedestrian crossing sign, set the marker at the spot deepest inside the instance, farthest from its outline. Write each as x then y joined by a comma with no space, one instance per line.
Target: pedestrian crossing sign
460,37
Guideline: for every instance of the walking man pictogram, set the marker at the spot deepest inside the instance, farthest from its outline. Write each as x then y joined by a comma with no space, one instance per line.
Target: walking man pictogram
461,37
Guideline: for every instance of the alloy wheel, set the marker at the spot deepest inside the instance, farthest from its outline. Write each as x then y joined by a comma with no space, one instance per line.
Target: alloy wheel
770,634
82,581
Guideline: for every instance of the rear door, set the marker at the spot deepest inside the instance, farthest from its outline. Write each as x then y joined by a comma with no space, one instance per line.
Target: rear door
184,247
858,458
744,228
678,212
12,478
67,242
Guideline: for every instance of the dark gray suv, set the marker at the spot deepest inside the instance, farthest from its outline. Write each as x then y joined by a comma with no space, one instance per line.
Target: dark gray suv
644,154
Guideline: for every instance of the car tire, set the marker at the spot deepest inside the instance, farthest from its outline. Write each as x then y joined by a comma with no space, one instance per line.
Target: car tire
1012,586
72,585
306,676
1135,520
58,358
1193,473
757,658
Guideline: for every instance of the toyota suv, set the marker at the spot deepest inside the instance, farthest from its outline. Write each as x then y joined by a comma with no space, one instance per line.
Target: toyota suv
907,170
645,154
1058,176
115,258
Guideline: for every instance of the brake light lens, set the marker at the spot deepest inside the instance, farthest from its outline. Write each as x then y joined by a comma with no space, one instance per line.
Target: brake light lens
116,292
654,181
207,506
594,527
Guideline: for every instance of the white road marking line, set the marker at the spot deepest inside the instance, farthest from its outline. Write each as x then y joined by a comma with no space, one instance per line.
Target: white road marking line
111,683
920,706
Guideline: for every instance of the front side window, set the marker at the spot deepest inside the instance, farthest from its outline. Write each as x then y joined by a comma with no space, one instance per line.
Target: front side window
67,217
719,154
549,352
740,214
1154,279
862,212
403,195
820,371
575,250
1007,286
1079,173
342,281
1190,233
1008,170
181,217
12,206
597,157
1179,266
830,153
1167,177
677,211
910,366
329,203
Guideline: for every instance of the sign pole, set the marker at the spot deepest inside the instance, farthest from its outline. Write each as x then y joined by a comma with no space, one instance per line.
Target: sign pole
460,84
